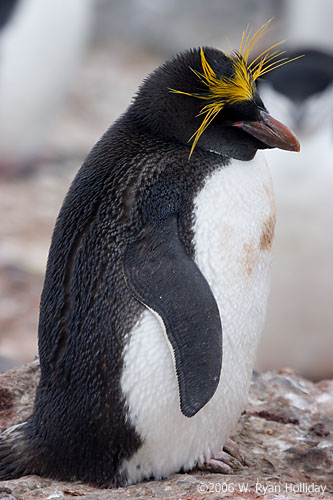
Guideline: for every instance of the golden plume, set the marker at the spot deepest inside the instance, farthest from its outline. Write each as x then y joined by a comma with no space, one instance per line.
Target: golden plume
240,87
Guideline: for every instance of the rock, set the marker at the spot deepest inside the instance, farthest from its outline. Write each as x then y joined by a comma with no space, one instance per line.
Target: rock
285,433
17,392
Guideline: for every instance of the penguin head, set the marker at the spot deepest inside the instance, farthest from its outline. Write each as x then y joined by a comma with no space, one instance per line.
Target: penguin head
208,99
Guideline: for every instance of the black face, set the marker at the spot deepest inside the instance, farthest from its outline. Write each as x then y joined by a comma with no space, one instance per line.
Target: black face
238,131
223,138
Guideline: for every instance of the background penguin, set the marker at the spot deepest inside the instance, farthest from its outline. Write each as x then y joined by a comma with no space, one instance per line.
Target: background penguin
7,8
41,42
157,280
299,325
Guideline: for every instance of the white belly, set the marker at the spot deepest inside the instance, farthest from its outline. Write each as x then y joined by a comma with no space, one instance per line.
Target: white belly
234,222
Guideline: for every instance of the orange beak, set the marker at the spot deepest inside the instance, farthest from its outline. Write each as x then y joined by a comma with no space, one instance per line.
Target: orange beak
271,132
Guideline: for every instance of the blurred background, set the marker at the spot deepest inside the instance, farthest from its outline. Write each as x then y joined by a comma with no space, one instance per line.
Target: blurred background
69,68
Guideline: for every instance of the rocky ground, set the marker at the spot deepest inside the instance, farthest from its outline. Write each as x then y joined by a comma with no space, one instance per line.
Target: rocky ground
286,435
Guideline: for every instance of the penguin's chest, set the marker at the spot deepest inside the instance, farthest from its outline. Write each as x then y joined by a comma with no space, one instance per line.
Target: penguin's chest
233,225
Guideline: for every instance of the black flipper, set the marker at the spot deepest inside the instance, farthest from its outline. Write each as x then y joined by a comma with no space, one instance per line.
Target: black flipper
164,278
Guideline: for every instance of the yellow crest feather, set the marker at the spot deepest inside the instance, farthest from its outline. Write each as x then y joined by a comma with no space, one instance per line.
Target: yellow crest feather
240,87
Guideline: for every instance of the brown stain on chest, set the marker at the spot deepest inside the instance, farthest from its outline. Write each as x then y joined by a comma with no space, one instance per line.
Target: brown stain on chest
250,257
251,251
267,233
